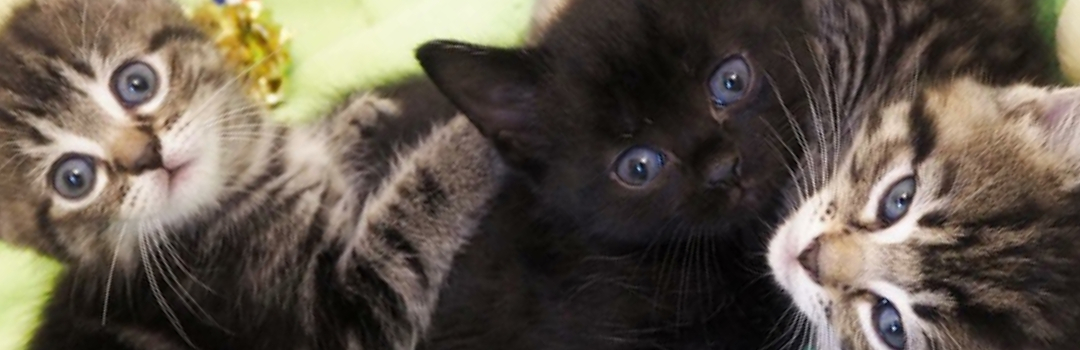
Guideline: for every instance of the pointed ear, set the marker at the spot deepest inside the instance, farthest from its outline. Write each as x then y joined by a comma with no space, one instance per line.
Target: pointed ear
495,88
1060,120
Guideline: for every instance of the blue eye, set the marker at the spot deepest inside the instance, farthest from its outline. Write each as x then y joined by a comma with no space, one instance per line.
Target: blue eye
73,176
731,81
134,84
897,201
639,165
889,325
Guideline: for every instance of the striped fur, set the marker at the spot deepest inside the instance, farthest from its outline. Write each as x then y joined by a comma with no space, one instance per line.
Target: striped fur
871,54
209,226
985,258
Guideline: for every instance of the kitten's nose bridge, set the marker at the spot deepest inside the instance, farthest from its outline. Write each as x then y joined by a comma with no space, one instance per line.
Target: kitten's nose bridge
136,150
840,259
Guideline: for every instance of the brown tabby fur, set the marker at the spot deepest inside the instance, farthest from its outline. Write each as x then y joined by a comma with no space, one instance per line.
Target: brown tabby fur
987,255
277,237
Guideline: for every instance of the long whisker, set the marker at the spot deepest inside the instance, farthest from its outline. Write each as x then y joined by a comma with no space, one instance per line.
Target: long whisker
149,266
173,281
235,79
112,270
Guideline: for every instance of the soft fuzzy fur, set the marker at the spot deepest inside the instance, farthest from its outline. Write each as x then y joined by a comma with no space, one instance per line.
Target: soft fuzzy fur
210,226
874,53
986,256
572,259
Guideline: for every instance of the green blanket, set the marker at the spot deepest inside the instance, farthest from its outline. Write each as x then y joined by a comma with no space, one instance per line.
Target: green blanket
338,46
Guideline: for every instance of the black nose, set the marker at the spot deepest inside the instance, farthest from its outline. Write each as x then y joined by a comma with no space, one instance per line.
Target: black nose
809,260
724,171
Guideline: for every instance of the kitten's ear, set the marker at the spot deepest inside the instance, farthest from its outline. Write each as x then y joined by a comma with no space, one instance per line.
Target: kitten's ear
495,88
1059,118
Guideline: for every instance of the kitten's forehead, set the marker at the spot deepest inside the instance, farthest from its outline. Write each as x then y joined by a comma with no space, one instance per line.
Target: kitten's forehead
629,65
52,40
66,48
66,28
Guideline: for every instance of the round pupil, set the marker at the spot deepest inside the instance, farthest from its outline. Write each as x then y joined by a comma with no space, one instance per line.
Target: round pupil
902,200
138,83
75,178
733,82
894,327
639,169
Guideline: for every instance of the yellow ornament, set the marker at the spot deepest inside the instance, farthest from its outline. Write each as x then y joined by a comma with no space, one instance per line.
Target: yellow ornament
251,42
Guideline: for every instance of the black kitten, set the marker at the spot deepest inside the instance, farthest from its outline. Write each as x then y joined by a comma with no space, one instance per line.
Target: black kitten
646,136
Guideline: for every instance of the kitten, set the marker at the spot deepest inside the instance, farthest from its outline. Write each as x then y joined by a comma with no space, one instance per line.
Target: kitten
873,53
644,140
951,225
186,219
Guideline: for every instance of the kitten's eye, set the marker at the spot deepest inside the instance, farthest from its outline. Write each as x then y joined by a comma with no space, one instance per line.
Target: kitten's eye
639,165
73,176
889,325
897,201
731,81
134,84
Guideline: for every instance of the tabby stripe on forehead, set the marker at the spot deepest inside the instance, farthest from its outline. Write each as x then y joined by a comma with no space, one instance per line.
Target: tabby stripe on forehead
947,179
12,122
1022,215
35,39
174,33
923,130
35,81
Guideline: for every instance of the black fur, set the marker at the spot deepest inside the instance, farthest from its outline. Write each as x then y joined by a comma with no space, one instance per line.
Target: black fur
571,259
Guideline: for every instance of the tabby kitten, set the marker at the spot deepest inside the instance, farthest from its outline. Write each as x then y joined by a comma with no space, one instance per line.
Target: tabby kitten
872,53
186,219
951,225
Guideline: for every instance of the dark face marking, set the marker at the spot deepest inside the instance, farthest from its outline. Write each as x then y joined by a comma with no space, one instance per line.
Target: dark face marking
167,35
923,130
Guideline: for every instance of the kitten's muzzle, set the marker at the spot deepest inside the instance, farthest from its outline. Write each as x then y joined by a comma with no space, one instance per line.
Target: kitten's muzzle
136,151
725,172
809,259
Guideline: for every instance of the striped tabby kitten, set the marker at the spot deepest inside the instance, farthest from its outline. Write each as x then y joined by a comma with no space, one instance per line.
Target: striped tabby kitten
187,220
871,54
951,225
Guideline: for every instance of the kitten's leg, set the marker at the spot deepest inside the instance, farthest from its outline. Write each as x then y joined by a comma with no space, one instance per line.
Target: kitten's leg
412,227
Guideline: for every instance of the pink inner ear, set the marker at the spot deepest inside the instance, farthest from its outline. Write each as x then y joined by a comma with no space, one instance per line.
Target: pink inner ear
1061,108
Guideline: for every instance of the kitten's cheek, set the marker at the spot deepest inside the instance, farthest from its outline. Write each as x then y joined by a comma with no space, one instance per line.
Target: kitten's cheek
782,259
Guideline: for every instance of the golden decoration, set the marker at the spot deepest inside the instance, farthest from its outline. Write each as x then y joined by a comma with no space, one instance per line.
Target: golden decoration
252,43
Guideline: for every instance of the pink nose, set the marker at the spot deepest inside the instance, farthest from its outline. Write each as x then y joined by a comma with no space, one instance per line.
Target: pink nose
809,260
